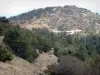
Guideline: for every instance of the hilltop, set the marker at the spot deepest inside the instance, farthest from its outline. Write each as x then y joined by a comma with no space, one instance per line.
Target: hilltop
59,19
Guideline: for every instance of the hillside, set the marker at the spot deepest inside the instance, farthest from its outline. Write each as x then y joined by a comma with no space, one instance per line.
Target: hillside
19,66
59,19
31,49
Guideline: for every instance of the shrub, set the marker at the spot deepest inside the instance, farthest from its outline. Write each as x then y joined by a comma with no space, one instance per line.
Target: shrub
4,25
5,53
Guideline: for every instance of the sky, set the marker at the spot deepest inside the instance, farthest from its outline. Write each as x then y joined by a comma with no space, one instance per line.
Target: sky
14,7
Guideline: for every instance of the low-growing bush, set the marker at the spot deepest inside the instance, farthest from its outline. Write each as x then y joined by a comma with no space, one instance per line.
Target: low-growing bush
5,53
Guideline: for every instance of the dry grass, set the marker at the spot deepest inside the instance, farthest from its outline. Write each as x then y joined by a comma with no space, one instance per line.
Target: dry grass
19,66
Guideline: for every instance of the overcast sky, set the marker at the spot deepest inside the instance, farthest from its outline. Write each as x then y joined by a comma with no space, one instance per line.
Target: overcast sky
15,7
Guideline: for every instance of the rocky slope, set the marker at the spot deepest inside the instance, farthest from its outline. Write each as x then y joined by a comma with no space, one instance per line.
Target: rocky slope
59,18
20,66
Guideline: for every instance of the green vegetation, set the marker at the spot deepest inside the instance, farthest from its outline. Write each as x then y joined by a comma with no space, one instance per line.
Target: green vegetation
82,52
4,25
24,43
5,53
79,51
79,46
83,49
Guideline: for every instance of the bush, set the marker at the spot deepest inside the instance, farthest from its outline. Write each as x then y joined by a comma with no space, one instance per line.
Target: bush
4,25
5,54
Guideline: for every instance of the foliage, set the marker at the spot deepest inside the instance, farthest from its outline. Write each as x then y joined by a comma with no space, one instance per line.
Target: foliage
24,42
5,53
4,25
79,46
